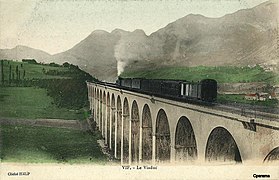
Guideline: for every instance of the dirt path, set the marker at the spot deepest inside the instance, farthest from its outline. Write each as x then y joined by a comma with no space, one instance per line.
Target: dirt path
60,123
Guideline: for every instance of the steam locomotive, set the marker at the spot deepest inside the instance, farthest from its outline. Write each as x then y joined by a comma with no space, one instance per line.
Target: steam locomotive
204,90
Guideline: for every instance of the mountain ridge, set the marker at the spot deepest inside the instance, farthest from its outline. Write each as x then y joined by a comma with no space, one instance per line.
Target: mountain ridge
245,37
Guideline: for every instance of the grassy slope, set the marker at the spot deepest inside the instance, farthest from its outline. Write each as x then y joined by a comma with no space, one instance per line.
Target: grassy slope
32,71
27,102
43,144
30,103
221,74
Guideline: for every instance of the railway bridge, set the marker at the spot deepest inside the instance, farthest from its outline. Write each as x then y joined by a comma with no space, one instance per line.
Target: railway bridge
144,129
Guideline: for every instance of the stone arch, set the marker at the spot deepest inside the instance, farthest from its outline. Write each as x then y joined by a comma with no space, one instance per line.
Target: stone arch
104,107
108,120
100,111
97,108
112,128
94,105
118,128
185,141
90,95
126,131
221,146
146,134
135,132
273,155
163,140
95,94
93,99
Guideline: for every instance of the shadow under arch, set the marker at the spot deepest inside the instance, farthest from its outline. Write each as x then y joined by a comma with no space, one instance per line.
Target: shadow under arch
108,119
126,130
273,155
113,109
146,134
100,111
185,141
135,128
162,137
119,126
221,146
104,118
97,108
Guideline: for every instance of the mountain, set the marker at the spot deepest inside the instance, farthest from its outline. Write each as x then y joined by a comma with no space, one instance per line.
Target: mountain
94,54
246,37
105,54
24,52
242,38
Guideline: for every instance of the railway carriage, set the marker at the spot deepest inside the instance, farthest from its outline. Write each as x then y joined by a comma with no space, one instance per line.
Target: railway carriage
205,90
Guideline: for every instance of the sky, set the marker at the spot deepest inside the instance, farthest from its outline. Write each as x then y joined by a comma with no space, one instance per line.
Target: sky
57,25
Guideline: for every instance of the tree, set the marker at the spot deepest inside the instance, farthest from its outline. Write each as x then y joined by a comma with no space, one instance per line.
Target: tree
2,71
10,74
54,64
30,61
17,72
66,64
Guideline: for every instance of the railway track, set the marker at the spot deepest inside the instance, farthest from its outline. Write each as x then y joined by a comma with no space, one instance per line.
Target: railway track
249,111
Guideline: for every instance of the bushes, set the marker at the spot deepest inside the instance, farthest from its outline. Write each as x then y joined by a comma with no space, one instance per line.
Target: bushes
67,93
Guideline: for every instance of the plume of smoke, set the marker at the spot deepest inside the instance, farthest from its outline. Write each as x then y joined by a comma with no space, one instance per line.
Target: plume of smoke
120,56
131,47
120,66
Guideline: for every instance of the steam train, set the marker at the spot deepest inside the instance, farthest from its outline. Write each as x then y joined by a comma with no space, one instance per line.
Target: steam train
202,91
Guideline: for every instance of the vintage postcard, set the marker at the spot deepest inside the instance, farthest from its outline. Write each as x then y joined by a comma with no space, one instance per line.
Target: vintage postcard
139,89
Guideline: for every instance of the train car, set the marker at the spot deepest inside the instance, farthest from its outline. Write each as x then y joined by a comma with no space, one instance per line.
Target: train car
171,88
205,90
190,90
136,83
155,86
124,82
209,90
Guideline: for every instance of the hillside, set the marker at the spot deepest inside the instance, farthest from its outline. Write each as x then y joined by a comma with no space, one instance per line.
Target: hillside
65,84
222,74
34,71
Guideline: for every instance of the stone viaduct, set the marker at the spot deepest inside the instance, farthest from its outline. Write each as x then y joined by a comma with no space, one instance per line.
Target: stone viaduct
144,129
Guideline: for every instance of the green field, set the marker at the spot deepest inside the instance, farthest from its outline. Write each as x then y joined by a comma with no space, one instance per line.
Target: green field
32,71
45,91
226,74
49,145
32,103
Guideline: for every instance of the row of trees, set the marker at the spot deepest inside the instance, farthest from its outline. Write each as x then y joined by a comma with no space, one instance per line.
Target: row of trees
14,74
